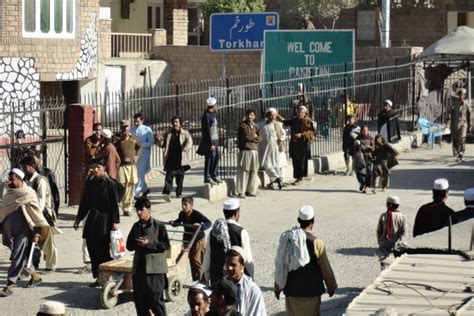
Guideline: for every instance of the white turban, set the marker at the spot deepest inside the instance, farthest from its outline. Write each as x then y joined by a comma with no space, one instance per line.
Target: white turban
270,110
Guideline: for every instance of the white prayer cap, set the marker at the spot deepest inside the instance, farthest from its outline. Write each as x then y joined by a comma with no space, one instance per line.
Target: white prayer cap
393,200
462,90
270,110
241,252
19,173
302,107
389,102
441,184
469,194
106,133
211,101
201,287
231,204
52,308
306,213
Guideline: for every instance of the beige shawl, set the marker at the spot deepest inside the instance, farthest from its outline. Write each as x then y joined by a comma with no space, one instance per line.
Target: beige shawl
25,198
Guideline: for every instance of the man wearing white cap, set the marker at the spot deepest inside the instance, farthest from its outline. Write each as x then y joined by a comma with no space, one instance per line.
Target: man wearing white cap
302,268
272,138
468,212
22,222
434,215
225,234
250,299
109,153
209,146
198,299
391,231
52,308
388,124
459,121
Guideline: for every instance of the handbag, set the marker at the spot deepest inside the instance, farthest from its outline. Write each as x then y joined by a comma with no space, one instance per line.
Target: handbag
117,245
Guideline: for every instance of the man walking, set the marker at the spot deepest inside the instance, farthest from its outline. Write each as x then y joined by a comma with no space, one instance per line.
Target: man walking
149,239
434,215
91,147
22,223
177,144
194,220
100,204
43,192
129,149
145,137
459,121
272,138
108,152
225,234
302,135
248,137
388,124
348,142
209,146
302,268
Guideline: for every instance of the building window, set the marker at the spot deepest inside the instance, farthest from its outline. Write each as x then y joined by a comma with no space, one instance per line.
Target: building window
49,18
154,17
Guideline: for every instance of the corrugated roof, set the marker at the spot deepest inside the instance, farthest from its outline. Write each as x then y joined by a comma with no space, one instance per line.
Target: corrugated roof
420,284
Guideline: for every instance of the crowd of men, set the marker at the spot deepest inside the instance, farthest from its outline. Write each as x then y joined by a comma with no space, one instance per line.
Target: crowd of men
222,264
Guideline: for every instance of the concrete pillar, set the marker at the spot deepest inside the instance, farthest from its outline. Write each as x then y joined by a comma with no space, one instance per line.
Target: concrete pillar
80,121
176,21
158,37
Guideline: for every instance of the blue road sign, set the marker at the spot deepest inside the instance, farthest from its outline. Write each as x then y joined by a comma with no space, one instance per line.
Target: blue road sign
240,31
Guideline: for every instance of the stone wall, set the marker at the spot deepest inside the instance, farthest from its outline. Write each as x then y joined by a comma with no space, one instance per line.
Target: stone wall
190,63
51,56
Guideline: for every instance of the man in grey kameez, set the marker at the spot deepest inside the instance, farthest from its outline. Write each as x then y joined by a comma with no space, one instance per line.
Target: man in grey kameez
19,215
459,121
268,151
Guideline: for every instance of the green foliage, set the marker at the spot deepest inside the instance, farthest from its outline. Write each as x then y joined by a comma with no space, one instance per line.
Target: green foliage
222,6
325,9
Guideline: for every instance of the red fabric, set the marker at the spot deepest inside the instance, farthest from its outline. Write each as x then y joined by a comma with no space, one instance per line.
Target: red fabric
389,228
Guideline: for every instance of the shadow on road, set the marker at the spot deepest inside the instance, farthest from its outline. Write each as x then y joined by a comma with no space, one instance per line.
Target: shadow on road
337,305
357,251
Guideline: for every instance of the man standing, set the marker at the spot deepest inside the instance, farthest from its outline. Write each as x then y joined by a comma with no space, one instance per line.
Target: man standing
272,136
177,144
391,231
250,299
194,220
199,299
223,298
209,146
145,137
91,147
248,137
303,275
100,204
348,142
468,212
108,152
434,215
306,24
149,239
459,121
225,234
43,192
129,149
22,222
388,124
302,135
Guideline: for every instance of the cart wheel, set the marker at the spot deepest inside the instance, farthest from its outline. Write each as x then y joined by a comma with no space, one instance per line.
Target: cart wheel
174,288
107,299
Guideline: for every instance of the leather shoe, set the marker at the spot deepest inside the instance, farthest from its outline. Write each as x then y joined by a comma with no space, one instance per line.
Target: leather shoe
7,291
145,194
250,194
33,283
95,284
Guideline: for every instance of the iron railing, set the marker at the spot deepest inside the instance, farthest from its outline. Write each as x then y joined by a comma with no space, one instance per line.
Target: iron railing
367,82
130,44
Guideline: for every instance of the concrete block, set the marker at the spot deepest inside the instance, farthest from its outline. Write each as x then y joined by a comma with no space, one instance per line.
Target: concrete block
215,192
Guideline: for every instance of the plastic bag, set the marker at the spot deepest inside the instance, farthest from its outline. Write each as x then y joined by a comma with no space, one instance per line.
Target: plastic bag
117,245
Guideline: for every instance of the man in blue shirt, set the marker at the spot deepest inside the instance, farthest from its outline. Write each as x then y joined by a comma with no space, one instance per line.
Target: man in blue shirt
145,136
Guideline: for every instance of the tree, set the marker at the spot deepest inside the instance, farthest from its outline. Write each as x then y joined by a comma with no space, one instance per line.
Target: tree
213,6
325,9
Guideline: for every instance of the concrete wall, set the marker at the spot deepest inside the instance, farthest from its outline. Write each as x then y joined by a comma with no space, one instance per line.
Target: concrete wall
198,62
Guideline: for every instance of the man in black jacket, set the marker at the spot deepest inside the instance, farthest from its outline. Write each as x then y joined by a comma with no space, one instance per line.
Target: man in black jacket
388,124
149,239
348,142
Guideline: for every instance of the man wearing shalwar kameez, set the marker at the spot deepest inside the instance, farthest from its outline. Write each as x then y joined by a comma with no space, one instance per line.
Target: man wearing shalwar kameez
149,239
459,121
268,149
248,137
22,222
145,136
100,204
302,268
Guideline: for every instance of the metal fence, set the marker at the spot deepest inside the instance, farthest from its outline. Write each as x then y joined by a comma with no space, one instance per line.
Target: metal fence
368,83
42,123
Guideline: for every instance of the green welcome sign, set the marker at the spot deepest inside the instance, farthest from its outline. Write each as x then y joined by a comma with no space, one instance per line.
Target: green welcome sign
304,53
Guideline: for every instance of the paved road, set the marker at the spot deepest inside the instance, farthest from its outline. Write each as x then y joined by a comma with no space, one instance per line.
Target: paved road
345,221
